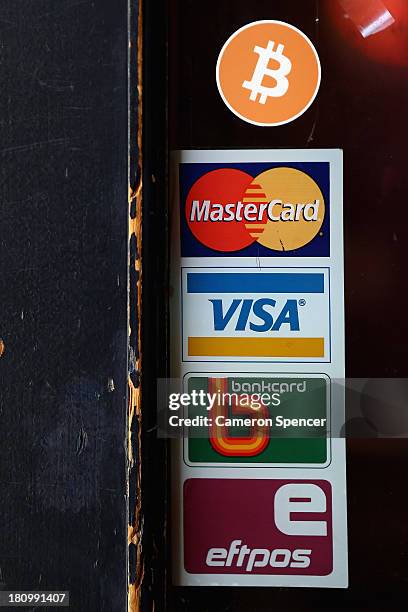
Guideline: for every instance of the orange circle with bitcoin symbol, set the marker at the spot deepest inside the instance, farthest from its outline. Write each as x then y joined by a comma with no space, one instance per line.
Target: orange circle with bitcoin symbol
294,207
268,73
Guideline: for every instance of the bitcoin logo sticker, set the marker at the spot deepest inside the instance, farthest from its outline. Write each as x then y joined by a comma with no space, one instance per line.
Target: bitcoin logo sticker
268,73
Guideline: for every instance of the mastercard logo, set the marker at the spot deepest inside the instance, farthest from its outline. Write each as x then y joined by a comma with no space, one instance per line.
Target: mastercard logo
228,210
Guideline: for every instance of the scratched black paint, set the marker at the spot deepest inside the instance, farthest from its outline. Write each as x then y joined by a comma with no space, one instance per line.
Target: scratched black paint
63,234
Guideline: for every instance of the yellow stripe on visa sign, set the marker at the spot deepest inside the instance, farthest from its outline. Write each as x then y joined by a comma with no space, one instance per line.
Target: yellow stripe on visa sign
256,347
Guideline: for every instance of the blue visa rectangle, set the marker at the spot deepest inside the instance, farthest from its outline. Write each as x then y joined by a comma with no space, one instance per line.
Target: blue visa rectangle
247,282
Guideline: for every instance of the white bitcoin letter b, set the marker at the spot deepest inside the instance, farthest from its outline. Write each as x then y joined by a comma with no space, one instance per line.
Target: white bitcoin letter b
261,71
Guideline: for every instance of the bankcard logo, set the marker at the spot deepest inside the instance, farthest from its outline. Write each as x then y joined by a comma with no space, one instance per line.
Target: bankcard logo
268,73
269,315
260,420
240,211
258,527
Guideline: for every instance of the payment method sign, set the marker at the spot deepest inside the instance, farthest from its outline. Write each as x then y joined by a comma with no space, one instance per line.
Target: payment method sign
263,209
275,314
291,427
255,527
257,328
268,73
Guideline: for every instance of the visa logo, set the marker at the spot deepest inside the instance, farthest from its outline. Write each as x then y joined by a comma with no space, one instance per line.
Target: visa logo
272,314
256,315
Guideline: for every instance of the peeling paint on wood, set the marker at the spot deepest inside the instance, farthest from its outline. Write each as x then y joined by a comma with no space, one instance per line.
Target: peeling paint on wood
135,532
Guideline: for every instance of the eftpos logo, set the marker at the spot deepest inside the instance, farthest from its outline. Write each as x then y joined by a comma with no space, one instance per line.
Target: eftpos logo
258,527
255,209
273,314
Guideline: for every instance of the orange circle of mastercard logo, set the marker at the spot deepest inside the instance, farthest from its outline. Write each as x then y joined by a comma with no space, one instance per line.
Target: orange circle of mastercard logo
268,73
282,208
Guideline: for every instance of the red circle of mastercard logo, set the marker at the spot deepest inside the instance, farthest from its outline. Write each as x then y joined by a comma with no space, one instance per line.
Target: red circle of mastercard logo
228,209
218,227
